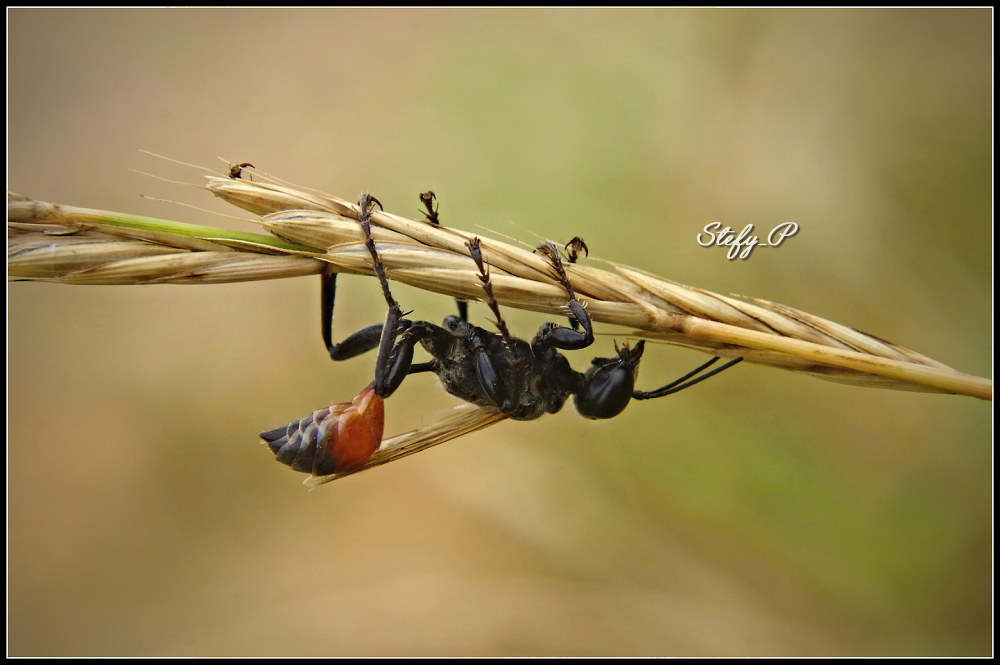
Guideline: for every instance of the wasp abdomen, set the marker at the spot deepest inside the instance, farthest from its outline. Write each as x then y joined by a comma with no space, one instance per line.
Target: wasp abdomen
331,439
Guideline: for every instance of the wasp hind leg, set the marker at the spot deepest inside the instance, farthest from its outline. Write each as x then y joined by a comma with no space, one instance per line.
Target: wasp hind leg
360,342
398,336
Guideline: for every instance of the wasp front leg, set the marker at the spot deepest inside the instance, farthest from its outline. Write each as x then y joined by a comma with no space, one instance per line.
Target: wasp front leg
554,335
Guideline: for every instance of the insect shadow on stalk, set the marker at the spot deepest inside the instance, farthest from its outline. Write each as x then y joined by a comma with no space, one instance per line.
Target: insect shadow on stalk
523,380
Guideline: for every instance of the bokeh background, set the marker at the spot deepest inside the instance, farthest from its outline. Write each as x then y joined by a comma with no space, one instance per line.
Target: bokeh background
762,513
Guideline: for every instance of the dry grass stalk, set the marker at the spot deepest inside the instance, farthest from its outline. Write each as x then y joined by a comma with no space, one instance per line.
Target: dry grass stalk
48,242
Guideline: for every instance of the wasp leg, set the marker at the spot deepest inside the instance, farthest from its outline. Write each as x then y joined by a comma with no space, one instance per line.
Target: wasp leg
427,198
360,342
368,338
682,383
417,368
397,337
491,380
560,337
475,250
573,249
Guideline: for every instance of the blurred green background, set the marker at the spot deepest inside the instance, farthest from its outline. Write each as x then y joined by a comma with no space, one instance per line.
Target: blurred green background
762,513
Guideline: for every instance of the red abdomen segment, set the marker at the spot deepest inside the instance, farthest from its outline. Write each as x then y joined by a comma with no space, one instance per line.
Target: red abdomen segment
331,439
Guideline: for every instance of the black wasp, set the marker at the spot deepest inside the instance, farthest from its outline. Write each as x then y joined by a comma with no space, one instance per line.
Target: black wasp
524,380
